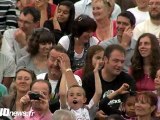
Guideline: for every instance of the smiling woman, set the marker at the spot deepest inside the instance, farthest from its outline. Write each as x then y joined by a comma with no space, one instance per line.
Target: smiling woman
145,62
22,82
145,106
102,11
80,40
39,46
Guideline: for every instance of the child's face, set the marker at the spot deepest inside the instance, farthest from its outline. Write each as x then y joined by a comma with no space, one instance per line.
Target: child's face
130,106
157,80
76,98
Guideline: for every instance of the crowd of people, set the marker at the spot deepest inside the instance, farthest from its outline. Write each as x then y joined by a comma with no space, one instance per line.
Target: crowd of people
80,59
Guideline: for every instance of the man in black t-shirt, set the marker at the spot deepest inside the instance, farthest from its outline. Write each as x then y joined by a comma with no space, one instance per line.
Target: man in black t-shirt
111,76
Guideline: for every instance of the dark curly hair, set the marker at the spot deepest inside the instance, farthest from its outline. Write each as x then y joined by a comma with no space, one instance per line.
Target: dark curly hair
39,36
137,60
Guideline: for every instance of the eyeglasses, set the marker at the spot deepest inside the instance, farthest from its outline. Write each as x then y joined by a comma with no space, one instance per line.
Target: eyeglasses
157,4
26,23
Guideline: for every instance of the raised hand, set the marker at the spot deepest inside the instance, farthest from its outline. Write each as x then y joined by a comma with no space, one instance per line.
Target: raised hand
123,89
20,37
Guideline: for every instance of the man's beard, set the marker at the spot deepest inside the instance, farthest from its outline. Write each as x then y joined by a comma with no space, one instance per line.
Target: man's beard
155,17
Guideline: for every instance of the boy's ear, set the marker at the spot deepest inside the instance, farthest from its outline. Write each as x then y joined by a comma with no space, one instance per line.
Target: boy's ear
84,100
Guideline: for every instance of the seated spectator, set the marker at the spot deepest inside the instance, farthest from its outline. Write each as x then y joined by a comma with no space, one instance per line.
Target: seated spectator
22,81
152,25
8,18
106,28
39,106
62,21
16,39
80,40
145,62
111,76
128,105
140,10
8,67
46,10
39,45
85,7
146,105
63,115
125,25
94,54
74,97
55,73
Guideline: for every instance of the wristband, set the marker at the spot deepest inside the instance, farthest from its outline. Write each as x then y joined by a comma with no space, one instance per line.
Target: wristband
68,69
55,20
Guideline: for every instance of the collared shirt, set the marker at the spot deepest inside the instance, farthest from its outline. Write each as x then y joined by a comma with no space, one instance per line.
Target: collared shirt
35,116
85,7
129,50
11,47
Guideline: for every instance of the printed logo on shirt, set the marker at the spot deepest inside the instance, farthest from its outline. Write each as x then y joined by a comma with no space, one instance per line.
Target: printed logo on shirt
112,101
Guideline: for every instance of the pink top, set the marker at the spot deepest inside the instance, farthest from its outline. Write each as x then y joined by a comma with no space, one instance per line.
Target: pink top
114,30
145,84
79,72
35,116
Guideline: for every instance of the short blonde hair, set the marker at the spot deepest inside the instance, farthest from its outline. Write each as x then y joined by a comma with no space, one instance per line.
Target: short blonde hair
109,4
63,115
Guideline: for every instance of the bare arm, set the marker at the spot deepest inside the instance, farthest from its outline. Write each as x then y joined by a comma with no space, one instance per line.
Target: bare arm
44,17
121,90
66,70
98,86
63,92
55,21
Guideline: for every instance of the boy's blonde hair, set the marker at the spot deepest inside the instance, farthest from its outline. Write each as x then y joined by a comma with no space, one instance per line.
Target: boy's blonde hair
74,86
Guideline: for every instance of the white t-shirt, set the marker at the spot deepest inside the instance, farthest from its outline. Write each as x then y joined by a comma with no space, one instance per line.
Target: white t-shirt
139,15
81,114
54,82
86,113
146,27
65,42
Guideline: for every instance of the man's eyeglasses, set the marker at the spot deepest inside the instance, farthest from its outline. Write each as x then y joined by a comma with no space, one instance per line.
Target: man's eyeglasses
26,23
157,4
